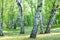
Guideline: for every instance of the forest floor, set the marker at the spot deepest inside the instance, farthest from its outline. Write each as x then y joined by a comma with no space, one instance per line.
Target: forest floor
14,35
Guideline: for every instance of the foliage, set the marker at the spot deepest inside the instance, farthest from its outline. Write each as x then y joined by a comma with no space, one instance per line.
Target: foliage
10,8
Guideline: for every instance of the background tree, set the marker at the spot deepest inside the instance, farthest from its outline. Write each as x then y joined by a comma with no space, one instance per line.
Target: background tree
1,19
52,16
19,3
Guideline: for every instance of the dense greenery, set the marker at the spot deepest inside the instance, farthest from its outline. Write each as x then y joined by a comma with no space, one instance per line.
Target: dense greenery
10,8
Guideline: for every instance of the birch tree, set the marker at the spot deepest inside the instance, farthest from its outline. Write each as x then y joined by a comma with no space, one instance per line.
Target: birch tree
1,20
20,14
36,21
52,16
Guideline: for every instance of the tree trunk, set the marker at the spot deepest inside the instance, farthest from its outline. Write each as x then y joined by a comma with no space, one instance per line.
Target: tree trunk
16,23
12,20
52,16
41,25
20,16
1,21
35,27
1,33
10,24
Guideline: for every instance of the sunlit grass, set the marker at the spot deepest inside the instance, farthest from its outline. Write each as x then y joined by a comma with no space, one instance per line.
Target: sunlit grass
26,37
15,35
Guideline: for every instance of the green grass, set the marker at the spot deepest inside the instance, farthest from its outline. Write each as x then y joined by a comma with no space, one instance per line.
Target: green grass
52,36
11,34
